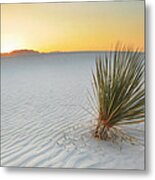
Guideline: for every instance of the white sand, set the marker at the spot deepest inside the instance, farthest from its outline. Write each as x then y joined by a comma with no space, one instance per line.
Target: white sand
43,123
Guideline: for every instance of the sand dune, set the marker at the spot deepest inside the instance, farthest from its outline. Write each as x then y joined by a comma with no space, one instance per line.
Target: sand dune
43,123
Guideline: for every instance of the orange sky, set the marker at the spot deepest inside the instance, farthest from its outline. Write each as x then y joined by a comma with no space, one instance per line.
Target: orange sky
71,26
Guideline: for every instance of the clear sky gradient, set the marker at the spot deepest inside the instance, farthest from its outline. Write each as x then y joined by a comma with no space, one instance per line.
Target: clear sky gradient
81,26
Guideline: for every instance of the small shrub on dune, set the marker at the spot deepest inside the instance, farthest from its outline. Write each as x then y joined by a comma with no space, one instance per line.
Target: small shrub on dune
118,93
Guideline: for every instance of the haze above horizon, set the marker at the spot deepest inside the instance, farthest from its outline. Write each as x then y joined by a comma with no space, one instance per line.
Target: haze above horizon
83,26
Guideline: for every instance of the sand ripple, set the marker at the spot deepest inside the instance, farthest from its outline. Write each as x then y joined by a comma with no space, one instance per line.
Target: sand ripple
43,124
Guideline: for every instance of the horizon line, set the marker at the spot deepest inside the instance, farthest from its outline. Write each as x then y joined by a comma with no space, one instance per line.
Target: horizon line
59,51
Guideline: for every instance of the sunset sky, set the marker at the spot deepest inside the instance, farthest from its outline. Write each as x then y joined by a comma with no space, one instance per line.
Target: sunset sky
71,26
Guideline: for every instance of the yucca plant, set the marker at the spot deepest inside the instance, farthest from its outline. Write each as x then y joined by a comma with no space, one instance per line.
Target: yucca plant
118,93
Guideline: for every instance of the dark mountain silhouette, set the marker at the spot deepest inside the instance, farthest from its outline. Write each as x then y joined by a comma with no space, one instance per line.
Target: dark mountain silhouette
21,52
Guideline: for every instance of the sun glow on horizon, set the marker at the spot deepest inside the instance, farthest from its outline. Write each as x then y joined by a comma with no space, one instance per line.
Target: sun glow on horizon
10,45
47,27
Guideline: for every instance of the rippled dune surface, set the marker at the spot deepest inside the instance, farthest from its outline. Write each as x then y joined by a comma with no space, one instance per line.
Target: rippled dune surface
43,122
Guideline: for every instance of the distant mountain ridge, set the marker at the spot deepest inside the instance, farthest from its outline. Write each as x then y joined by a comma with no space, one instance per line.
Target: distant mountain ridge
21,52
27,52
